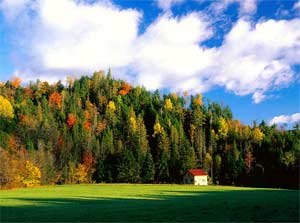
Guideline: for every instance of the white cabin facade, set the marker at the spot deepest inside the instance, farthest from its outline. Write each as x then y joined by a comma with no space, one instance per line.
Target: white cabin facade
196,177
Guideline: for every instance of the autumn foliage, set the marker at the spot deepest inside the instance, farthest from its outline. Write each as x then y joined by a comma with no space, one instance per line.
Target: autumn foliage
71,121
87,125
97,129
55,100
101,127
6,109
16,82
125,89
16,170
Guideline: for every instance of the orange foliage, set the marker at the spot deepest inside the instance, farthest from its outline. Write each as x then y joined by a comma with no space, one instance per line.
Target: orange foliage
71,121
24,119
126,89
28,92
87,125
100,127
87,115
55,100
27,120
16,82
12,143
88,160
198,100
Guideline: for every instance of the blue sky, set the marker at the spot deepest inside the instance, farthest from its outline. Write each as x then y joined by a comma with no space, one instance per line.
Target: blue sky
241,53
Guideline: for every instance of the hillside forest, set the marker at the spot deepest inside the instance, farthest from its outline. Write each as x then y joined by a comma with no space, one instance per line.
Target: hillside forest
99,129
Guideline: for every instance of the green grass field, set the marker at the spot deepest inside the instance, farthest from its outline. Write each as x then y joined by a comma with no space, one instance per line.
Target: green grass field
132,203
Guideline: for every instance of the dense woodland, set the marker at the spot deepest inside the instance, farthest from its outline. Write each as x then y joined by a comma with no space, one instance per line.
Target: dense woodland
97,129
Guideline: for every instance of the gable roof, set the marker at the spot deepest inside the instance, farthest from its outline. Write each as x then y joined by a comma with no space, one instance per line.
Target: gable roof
197,172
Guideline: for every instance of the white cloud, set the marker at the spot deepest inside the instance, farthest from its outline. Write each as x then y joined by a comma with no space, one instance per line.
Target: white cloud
296,6
246,7
258,97
167,4
169,53
87,37
255,59
66,37
282,119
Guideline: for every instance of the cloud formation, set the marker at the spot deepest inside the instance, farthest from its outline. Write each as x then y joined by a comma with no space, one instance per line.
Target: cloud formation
63,37
285,119
169,54
256,58
296,6
167,4
246,7
69,36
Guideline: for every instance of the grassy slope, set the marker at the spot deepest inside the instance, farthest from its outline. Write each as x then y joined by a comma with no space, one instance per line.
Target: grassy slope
117,202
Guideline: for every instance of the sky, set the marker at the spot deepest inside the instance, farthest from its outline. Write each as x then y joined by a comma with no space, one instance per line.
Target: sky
241,53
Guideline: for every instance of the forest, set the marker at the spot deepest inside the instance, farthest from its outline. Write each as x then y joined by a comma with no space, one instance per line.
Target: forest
98,129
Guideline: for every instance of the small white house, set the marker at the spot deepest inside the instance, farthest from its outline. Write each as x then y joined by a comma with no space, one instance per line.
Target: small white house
196,177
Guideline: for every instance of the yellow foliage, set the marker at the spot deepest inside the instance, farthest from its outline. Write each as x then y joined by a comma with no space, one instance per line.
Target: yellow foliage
33,175
158,129
246,132
111,106
223,131
192,132
133,123
81,174
6,109
132,120
257,134
214,135
18,179
198,100
168,104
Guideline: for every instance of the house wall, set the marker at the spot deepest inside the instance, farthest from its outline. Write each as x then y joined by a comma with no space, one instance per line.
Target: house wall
196,180
200,180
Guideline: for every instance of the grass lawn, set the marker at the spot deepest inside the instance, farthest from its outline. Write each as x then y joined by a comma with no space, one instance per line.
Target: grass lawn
135,203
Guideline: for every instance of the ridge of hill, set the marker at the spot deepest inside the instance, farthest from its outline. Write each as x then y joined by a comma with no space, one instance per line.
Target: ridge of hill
98,129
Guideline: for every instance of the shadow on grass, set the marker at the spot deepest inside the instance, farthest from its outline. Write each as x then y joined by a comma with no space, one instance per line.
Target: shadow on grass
166,206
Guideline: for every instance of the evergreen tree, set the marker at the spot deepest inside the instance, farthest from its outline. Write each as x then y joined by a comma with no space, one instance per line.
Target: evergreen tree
147,173
162,169
128,168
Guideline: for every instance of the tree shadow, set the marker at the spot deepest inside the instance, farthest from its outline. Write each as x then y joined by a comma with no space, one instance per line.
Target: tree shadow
166,206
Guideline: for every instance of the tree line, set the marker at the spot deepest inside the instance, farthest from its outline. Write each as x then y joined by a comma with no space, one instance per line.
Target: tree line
98,129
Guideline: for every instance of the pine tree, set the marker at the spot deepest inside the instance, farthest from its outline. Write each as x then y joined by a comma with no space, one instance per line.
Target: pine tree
162,168
128,169
147,173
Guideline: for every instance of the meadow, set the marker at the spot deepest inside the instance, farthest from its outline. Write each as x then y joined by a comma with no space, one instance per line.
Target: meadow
152,203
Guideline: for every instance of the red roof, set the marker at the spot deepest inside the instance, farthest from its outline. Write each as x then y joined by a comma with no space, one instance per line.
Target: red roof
197,172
